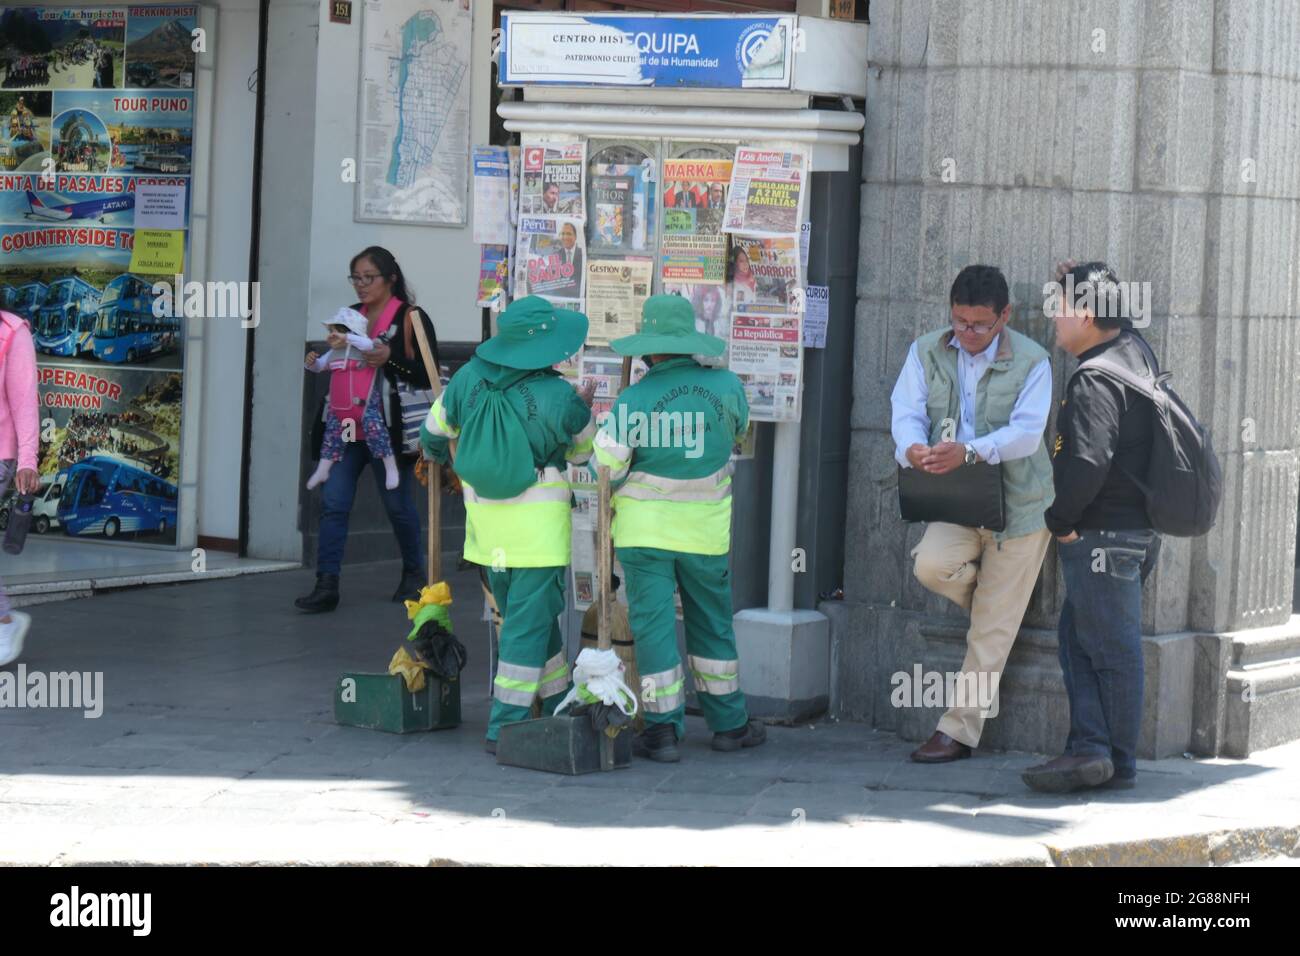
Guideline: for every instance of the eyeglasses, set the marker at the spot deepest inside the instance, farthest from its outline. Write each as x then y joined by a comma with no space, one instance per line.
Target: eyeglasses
977,329
363,281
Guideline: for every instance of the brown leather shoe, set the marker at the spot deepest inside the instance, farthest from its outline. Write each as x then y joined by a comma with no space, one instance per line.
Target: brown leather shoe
1067,773
940,748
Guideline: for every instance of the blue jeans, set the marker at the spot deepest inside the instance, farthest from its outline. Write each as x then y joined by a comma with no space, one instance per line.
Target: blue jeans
339,491
1100,636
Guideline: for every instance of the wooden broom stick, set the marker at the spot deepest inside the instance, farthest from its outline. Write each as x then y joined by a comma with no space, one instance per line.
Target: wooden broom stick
432,471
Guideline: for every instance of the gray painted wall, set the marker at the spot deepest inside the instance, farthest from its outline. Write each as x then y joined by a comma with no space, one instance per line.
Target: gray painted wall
1163,137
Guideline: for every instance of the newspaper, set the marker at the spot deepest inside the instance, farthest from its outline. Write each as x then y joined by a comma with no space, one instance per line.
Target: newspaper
693,248
491,166
767,195
603,368
767,354
765,274
554,181
712,306
619,199
616,290
493,276
551,258
816,313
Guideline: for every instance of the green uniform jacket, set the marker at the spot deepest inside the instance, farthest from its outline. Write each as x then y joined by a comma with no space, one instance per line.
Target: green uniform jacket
668,439
532,529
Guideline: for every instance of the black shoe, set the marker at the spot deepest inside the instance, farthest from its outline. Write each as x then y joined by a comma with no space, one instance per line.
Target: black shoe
657,742
490,746
750,735
1120,783
410,586
324,597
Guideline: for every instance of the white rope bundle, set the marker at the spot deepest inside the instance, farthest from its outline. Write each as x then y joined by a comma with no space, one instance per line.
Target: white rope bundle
601,673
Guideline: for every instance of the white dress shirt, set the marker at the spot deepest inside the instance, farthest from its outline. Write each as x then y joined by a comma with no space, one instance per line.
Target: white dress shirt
1019,438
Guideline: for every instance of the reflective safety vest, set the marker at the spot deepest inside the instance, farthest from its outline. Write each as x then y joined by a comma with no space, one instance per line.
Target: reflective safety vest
532,529
668,440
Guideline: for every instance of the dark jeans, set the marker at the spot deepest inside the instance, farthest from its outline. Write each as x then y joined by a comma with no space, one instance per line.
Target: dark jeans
340,489
1100,637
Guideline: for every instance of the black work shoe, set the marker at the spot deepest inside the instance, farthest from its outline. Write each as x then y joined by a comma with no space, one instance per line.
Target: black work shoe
1120,783
657,742
750,735
410,586
490,746
324,596
1068,773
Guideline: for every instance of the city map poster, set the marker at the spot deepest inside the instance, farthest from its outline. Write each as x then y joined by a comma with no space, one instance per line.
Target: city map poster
413,116
110,438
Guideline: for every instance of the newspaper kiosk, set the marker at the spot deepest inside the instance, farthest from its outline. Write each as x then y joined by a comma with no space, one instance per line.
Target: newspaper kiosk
670,112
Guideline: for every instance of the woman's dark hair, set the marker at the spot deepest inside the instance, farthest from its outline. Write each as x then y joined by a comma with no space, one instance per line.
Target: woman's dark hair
980,285
736,251
383,261
1095,286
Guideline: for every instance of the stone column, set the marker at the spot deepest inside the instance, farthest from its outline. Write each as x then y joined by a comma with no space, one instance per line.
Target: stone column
1163,137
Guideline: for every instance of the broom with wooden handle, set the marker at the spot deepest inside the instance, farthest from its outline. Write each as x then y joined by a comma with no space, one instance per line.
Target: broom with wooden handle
619,628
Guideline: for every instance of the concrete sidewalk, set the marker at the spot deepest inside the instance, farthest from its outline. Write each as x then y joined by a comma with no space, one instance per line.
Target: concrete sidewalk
217,745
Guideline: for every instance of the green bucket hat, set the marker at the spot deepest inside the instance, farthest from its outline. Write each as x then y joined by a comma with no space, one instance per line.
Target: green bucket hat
532,333
668,328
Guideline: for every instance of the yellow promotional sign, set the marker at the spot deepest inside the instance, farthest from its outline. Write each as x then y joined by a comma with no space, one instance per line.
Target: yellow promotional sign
158,252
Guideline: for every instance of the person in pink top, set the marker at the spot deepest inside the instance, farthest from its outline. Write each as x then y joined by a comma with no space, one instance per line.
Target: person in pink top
19,444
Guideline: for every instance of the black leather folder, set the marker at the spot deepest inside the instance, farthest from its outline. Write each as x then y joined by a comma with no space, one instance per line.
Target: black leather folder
969,495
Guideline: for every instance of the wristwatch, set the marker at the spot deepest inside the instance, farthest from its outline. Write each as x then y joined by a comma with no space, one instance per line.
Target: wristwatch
971,457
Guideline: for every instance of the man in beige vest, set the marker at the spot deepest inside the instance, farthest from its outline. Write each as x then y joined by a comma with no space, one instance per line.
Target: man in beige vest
978,392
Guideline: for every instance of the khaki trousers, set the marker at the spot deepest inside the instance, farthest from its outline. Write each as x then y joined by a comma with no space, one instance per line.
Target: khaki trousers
991,580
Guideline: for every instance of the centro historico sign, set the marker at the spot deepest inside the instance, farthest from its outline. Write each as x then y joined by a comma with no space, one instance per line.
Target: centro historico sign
744,52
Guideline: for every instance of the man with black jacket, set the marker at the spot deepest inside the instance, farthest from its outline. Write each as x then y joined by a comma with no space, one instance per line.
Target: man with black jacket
1104,537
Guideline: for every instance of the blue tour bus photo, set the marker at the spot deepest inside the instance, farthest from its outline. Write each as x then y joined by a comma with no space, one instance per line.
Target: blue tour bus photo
8,296
127,329
29,299
103,495
66,321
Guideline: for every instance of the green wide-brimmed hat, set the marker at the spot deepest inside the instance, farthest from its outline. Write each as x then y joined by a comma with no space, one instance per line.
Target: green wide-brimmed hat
668,328
532,333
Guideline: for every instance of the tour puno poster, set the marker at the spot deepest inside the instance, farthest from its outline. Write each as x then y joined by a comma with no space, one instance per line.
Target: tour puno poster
767,192
413,117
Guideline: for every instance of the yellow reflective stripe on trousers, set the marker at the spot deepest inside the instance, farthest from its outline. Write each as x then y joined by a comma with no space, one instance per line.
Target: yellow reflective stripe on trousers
515,684
715,676
555,677
648,487
694,527
667,693
436,421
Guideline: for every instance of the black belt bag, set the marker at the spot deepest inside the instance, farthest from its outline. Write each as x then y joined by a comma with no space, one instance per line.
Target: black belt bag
970,495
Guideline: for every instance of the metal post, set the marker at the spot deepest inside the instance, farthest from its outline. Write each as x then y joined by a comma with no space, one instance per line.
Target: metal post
785,508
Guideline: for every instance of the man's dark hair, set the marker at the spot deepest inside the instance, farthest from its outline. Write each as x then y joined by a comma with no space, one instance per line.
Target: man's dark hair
1096,287
980,285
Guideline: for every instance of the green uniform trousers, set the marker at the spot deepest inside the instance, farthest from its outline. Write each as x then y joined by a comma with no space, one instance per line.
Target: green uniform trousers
530,653
705,583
